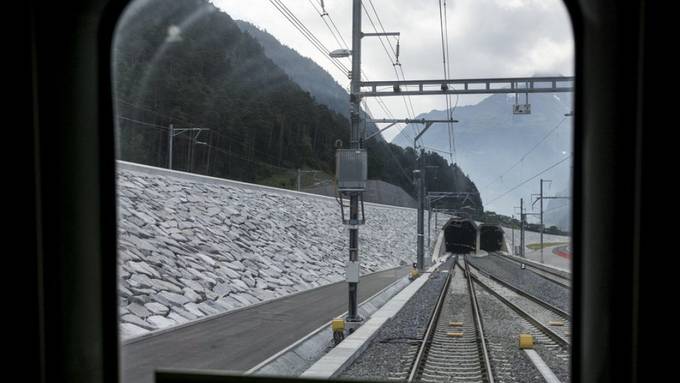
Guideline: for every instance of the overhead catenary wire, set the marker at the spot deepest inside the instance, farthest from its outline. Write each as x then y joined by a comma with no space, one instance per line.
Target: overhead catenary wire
333,33
174,119
389,150
338,37
155,112
290,16
444,35
407,99
556,208
395,52
194,126
151,125
529,179
523,157
232,139
448,68
311,37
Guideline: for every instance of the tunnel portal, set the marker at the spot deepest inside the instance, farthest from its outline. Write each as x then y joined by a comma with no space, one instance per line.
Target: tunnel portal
491,237
460,235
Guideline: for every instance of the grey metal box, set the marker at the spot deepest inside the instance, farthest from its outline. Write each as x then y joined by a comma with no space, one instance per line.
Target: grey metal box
351,169
521,109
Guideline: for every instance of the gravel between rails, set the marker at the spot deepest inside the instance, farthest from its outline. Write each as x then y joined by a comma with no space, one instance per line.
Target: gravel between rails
555,278
454,359
397,341
512,273
506,325
502,329
532,308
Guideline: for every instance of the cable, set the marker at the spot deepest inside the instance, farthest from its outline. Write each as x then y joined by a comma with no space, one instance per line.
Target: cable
213,131
160,127
325,22
556,208
529,179
147,109
338,38
410,112
246,159
527,153
401,69
290,16
336,29
435,149
174,118
335,32
300,26
444,33
448,68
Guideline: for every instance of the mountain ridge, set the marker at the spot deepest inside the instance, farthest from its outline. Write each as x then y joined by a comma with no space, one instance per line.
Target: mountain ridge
489,139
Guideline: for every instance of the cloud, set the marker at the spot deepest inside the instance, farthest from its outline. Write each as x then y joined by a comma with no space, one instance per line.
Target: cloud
487,38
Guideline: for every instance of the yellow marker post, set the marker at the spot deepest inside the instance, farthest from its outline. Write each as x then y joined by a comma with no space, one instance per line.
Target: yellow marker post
338,325
526,341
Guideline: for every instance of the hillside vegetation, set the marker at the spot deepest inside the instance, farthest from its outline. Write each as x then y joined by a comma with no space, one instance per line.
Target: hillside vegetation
186,64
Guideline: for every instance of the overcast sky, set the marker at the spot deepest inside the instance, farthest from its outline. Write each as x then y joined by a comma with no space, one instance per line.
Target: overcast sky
487,38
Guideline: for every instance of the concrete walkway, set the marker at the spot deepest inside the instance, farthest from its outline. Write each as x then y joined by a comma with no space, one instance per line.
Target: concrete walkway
239,340
348,350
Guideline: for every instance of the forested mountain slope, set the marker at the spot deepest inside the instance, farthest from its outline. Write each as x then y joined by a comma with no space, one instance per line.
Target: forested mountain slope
185,68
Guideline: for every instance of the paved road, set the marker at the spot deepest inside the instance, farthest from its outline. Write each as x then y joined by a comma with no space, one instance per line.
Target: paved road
240,340
550,257
562,251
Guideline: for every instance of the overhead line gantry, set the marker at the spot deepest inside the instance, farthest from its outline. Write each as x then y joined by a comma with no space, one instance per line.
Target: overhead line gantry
351,171
507,85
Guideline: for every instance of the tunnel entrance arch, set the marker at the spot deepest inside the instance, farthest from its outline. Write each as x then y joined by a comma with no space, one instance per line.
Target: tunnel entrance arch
460,235
491,237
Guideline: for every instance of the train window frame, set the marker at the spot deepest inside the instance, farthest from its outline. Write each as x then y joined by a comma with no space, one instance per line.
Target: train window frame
77,315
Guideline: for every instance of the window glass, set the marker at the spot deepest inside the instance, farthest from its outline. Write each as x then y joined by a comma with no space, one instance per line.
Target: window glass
266,216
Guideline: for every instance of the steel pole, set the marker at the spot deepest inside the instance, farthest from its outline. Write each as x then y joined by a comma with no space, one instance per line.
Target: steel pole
355,140
512,227
420,244
298,180
541,220
429,229
521,227
171,134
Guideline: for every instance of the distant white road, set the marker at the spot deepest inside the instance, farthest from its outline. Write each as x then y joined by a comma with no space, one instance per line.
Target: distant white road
557,255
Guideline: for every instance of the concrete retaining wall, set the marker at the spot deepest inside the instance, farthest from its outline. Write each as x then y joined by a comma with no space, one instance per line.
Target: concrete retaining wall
192,246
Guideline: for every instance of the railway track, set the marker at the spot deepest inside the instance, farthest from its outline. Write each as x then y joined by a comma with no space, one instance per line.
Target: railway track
453,348
550,276
518,291
549,325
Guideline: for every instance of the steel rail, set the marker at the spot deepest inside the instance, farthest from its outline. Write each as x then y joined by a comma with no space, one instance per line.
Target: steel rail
554,277
547,331
478,319
525,294
432,325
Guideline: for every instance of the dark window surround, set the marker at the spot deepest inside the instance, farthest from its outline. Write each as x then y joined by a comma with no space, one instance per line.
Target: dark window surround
66,196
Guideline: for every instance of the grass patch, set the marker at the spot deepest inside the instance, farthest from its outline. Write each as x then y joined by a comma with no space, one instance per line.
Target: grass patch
284,180
537,246
287,179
